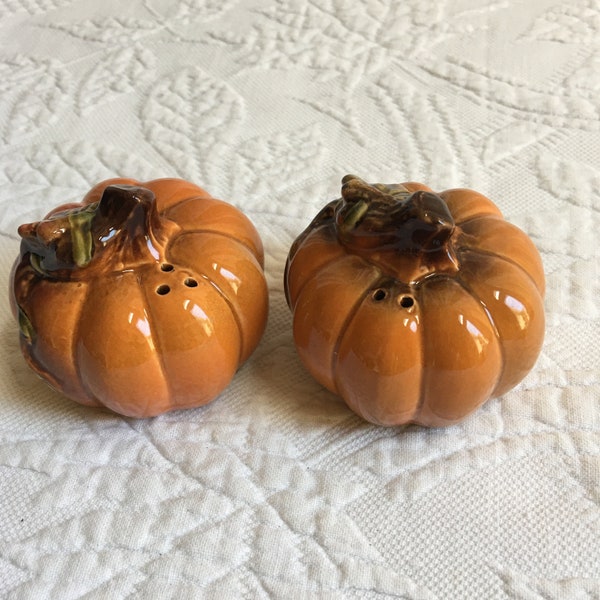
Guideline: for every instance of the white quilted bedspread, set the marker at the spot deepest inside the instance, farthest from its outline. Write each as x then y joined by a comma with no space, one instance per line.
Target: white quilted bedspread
276,490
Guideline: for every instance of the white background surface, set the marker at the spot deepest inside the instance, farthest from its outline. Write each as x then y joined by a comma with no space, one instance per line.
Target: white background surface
276,490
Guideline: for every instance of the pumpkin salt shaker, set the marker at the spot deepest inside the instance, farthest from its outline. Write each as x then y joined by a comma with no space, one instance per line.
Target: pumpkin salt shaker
414,306
143,298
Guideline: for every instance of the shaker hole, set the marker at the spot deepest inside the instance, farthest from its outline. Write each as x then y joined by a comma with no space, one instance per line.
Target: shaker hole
406,302
379,295
190,282
161,290
166,267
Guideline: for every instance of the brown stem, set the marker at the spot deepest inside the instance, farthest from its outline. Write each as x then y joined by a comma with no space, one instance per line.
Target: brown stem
382,217
76,238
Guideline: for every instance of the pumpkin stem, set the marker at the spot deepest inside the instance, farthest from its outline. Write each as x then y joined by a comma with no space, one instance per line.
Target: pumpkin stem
123,210
427,221
71,239
382,217
354,188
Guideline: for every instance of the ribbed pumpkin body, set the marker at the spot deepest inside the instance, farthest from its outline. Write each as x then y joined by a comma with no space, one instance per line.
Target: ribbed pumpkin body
144,298
415,307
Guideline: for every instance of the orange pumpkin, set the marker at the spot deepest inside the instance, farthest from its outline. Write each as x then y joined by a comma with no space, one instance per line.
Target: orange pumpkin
415,307
144,297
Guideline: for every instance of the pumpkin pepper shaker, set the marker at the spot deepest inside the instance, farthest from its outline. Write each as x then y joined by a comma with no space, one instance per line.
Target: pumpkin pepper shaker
144,297
413,306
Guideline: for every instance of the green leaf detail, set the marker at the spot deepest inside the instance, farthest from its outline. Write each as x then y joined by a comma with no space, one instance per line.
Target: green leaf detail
25,326
81,236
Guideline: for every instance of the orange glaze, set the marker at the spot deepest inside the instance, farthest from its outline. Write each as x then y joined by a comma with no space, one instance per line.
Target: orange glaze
415,307
144,298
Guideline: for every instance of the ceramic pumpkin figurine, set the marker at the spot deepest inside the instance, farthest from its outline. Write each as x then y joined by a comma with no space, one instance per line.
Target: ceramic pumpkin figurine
144,297
413,306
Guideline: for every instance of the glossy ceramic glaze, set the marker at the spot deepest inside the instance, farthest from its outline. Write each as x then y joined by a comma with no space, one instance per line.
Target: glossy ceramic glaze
144,297
415,306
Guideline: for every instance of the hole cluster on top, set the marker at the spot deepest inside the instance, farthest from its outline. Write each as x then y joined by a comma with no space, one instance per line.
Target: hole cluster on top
164,289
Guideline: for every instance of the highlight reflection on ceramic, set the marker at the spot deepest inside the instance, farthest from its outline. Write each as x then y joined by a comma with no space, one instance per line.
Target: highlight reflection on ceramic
415,306
144,297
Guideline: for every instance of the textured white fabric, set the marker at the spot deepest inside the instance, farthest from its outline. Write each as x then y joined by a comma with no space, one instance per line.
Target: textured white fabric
276,490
